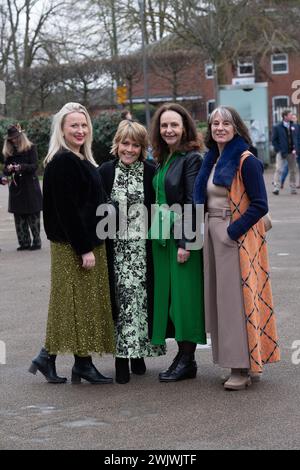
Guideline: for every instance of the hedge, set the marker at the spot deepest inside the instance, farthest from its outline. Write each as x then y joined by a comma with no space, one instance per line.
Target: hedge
38,131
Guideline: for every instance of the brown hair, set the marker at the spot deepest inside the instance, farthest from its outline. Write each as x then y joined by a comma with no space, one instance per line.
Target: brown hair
190,139
134,131
229,114
124,114
285,113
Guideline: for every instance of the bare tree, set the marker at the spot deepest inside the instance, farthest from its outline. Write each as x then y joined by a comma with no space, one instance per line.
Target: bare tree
226,29
5,41
81,76
43,82
171,65
155,19
216,27
128,69
27,23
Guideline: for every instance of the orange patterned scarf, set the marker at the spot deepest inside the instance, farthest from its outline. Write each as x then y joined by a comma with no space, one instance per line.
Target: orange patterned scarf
257,292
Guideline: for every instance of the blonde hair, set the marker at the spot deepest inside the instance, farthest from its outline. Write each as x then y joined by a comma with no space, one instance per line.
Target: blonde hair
22,144
130,130
57,141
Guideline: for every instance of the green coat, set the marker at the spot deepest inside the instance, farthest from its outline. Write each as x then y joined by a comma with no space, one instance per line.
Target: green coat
178,288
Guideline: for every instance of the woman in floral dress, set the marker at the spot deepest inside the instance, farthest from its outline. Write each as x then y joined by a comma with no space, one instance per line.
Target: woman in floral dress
128,182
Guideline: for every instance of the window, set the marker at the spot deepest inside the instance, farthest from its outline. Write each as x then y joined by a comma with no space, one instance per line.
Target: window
280,63
245,67
280,103
211,104
209,70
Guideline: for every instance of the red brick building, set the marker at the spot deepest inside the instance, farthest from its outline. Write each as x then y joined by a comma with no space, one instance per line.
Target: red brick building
196,88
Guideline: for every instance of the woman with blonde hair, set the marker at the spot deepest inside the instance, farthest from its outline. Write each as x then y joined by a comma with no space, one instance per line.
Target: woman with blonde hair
25,196
79,317
128,181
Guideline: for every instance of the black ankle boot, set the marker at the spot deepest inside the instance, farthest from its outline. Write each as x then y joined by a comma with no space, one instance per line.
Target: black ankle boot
45,363
167,372
186,368
85,369
122,370
138,366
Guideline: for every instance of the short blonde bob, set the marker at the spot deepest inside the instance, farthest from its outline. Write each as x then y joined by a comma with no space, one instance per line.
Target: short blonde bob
134,131
57,141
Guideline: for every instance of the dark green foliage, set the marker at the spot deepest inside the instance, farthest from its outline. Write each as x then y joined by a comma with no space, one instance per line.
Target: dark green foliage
138,112
104,126
38,131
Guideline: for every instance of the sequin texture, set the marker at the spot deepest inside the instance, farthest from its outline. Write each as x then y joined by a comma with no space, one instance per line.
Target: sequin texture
79,317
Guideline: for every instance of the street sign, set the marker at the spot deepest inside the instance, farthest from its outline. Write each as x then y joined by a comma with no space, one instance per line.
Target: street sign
2,92
121,94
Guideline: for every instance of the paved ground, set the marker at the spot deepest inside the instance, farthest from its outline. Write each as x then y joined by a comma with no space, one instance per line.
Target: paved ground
144,414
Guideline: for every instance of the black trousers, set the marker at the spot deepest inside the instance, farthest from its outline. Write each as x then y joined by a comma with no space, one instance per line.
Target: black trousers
23,223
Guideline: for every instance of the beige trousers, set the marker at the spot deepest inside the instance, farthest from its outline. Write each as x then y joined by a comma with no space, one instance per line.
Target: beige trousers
224,305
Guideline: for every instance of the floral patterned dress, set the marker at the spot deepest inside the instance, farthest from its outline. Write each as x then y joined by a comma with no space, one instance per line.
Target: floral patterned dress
132,339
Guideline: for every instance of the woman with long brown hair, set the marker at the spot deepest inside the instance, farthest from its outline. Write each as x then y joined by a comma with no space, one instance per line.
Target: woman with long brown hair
178,275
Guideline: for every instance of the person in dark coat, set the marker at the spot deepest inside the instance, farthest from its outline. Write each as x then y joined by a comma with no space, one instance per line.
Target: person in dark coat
286,143
79,316
25,196
128,181
3,180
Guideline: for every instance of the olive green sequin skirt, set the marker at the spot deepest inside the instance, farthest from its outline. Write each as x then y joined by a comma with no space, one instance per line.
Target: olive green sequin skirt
79,317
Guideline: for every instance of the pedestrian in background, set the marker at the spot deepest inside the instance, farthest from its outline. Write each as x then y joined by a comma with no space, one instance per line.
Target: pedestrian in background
79,316
285,170
128,181
286,143
178,271
25,196
3,181
238,297
126,114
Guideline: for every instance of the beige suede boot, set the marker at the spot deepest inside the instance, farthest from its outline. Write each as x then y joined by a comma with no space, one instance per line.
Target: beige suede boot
237,380
254,376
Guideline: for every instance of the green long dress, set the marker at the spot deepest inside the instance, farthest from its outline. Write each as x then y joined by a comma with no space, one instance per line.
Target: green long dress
178,288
